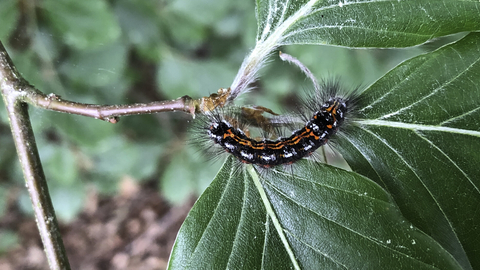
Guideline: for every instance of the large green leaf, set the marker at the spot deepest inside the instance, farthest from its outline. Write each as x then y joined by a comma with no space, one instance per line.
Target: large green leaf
413,135
419,138
359,23
364,23
325,218
417,134
82,24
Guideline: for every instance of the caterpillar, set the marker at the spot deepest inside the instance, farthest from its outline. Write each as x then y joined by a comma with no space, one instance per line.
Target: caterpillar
323,113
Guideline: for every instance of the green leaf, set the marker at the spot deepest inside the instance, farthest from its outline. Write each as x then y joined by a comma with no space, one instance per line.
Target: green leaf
196,10
177,182
26,63
68,201
9,154
364,23
186,175
185,32
60,163
109,63
361,23
9,15
3,200
418,134
326,218
83,24
109,158
81,130
139,21
8,241
182,76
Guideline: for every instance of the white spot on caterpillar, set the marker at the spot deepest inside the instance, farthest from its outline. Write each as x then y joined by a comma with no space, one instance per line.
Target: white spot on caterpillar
229,146
246,155
268,158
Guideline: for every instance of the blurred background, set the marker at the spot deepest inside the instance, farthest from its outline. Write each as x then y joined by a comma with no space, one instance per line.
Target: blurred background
121,191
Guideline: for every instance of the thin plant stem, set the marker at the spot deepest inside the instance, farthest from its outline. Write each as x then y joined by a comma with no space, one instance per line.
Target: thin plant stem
12,88
107,112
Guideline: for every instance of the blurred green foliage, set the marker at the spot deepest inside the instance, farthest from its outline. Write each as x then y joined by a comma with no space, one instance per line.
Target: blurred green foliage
8,239
124,51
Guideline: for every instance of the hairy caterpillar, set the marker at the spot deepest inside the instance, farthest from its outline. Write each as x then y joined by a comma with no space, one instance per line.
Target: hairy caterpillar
323,113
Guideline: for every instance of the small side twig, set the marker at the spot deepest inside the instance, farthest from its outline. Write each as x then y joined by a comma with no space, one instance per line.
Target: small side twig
111,113
107,112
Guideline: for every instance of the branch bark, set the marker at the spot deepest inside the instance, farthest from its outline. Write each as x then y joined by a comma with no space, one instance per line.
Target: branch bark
107,112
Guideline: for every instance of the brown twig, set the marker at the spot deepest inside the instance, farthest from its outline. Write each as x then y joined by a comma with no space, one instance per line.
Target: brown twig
108,112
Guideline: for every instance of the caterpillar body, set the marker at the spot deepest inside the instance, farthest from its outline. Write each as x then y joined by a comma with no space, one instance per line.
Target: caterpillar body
267,153
323,114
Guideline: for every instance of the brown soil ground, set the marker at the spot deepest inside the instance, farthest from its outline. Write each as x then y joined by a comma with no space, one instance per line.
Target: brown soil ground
132,230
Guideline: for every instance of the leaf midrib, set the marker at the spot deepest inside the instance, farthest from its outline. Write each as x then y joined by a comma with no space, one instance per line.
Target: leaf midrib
417,127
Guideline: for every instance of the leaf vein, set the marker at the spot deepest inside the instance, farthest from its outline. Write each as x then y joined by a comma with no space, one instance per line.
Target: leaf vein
371,166
333,188
232,171
436,90
317,251
417,176
371,239
459,117
447,157
241,221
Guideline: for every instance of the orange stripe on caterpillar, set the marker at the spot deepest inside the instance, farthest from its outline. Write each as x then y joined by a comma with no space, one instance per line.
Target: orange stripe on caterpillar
267,153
